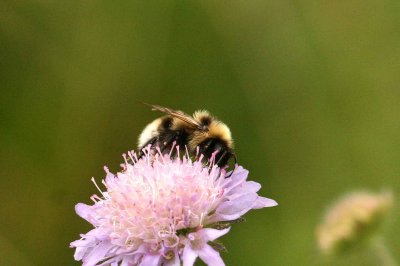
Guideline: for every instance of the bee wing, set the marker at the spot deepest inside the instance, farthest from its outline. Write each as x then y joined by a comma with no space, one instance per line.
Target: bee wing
178,114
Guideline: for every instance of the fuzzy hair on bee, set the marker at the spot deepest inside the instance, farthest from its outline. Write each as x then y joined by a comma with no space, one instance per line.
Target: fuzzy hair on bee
200,133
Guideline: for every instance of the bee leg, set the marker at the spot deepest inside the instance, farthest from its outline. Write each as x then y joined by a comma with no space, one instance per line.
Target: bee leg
222,157
234,167
150,142
223,153
168,142
206,149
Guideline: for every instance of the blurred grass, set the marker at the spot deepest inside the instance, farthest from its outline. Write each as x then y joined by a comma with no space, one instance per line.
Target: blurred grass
309,89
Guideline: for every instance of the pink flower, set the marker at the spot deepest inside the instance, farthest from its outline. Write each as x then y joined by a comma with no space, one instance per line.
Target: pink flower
164,211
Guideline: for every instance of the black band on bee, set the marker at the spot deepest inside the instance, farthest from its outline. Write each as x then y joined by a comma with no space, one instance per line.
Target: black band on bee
166,122
205,121
167,140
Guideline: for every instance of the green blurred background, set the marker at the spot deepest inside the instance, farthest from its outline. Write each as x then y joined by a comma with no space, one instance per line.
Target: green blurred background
310,90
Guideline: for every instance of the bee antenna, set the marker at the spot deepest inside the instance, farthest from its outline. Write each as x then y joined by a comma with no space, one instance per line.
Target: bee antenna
149,105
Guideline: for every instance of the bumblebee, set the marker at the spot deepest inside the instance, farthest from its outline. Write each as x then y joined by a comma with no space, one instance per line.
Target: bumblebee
199,134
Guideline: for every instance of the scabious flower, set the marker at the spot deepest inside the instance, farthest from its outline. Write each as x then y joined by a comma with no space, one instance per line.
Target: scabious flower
352,219
164,211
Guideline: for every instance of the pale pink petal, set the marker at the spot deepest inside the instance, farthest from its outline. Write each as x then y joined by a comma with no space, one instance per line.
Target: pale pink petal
231,210
174,262
80,252
239,176
264,202
238,171
210,256
97,254
212,234
125,262
150,260
86,212
87,242
108,262
84,246
243,188
189,256
117,259
110,176
251,186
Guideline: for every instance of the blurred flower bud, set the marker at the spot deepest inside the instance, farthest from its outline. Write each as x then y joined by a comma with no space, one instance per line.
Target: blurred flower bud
352,219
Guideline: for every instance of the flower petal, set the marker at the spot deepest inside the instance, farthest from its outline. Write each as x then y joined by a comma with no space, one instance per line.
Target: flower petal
110,176
237,171
80,252
97,254
85,243
264,202
210,256
150,260
211,234
124,262
189,256
252,186
86,212
233,209
239,176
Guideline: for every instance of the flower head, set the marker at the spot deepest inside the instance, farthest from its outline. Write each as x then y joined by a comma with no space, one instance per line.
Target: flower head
163,210
352,219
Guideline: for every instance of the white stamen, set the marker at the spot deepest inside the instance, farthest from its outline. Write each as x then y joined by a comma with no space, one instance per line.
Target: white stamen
94,182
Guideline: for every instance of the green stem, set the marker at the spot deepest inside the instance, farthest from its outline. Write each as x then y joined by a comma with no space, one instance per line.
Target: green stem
382,252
